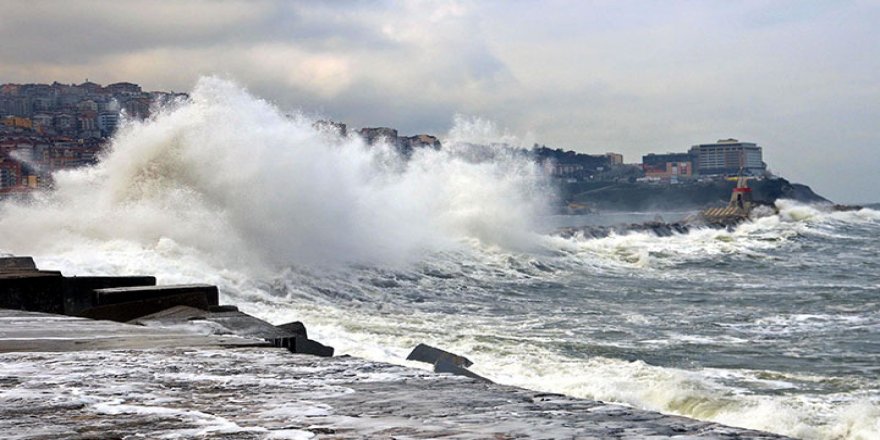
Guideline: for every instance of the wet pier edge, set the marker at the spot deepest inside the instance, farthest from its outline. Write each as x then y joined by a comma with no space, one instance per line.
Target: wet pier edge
186,367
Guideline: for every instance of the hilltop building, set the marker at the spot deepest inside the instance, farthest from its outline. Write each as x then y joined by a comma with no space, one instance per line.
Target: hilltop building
725,157
614,158
728,156
668,166
404,145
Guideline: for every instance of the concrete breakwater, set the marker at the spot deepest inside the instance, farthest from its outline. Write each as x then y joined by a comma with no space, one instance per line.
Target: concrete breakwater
208,371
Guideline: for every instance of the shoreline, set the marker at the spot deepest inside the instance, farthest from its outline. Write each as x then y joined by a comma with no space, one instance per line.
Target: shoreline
106,379
219,373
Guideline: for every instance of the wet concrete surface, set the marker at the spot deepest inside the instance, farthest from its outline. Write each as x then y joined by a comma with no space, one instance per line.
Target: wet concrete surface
221,388
34,331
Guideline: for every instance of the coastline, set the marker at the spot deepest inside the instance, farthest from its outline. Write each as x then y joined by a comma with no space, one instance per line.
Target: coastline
170,383
75,364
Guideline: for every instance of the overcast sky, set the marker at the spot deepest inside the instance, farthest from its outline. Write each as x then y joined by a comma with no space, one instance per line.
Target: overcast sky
797,77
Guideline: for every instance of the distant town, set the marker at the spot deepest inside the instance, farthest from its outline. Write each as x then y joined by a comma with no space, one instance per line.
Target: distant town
50,127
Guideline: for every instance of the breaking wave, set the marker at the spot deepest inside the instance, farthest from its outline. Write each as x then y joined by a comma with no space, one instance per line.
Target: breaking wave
233,177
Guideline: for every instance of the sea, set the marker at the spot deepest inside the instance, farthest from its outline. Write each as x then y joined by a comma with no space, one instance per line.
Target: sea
771,325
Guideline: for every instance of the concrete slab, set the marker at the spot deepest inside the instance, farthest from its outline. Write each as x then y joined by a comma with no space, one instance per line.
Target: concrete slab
230,322
74,378
79,292
119,295
124,304
41,291
432,355
17,264
22,331
259,393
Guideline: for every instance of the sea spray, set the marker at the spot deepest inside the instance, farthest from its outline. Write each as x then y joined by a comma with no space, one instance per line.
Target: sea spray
233,177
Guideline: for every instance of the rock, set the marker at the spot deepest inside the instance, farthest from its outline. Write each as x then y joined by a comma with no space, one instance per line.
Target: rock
608,196
431,355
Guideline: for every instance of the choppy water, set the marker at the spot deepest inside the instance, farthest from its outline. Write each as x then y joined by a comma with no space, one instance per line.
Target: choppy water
774,325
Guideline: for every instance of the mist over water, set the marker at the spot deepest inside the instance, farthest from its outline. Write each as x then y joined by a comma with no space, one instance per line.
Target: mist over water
232,176
774,325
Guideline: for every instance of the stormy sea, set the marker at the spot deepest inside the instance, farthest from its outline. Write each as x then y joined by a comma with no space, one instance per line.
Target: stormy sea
772,325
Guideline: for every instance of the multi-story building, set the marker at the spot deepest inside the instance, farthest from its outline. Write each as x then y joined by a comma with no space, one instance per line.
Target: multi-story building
10,170
728,156
660,160
123,88
614,158
47,127
668,166
107,122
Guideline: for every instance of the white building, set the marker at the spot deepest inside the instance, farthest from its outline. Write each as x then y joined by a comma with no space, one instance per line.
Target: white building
728,156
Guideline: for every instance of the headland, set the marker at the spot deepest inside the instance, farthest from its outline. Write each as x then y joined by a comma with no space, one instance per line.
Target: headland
45,128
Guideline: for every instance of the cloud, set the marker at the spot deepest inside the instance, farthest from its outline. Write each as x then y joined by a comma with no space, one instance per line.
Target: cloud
799,78
85,30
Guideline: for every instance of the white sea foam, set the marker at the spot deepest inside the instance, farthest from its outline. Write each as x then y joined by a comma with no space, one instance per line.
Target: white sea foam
232,179
508,354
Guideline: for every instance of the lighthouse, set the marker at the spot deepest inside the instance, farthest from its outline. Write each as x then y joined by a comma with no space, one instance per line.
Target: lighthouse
741,198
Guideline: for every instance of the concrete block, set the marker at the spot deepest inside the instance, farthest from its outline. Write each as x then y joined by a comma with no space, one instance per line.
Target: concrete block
118,295
302,345
444,365
79,292
223,322
431,355
17,264
174,315
36,291
129,310
297,328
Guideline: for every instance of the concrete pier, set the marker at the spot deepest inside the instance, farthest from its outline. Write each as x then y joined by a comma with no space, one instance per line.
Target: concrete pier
187,367
75,378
